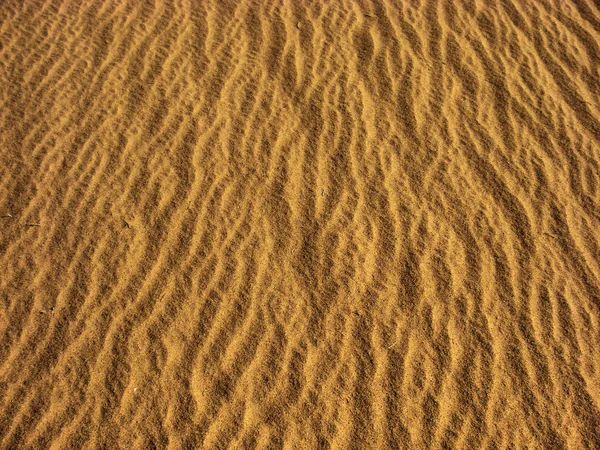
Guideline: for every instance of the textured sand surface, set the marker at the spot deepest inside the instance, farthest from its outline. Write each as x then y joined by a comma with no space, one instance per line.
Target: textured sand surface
300,225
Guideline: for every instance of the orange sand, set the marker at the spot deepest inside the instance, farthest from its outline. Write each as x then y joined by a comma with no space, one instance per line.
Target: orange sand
300,225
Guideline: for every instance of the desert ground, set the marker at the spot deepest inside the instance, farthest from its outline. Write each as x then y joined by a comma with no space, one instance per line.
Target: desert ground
300,224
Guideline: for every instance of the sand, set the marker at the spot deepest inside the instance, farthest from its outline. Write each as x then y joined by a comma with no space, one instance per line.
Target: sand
300,225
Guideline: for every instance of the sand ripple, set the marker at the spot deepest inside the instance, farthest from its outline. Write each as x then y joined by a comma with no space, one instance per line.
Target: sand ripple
311,225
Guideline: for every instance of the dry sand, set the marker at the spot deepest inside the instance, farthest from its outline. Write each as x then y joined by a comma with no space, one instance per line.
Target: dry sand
300,225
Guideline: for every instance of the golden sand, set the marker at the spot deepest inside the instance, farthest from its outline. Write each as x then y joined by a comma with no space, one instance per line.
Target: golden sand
300,225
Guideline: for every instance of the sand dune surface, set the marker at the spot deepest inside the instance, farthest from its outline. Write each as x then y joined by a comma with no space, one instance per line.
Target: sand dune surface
300,224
